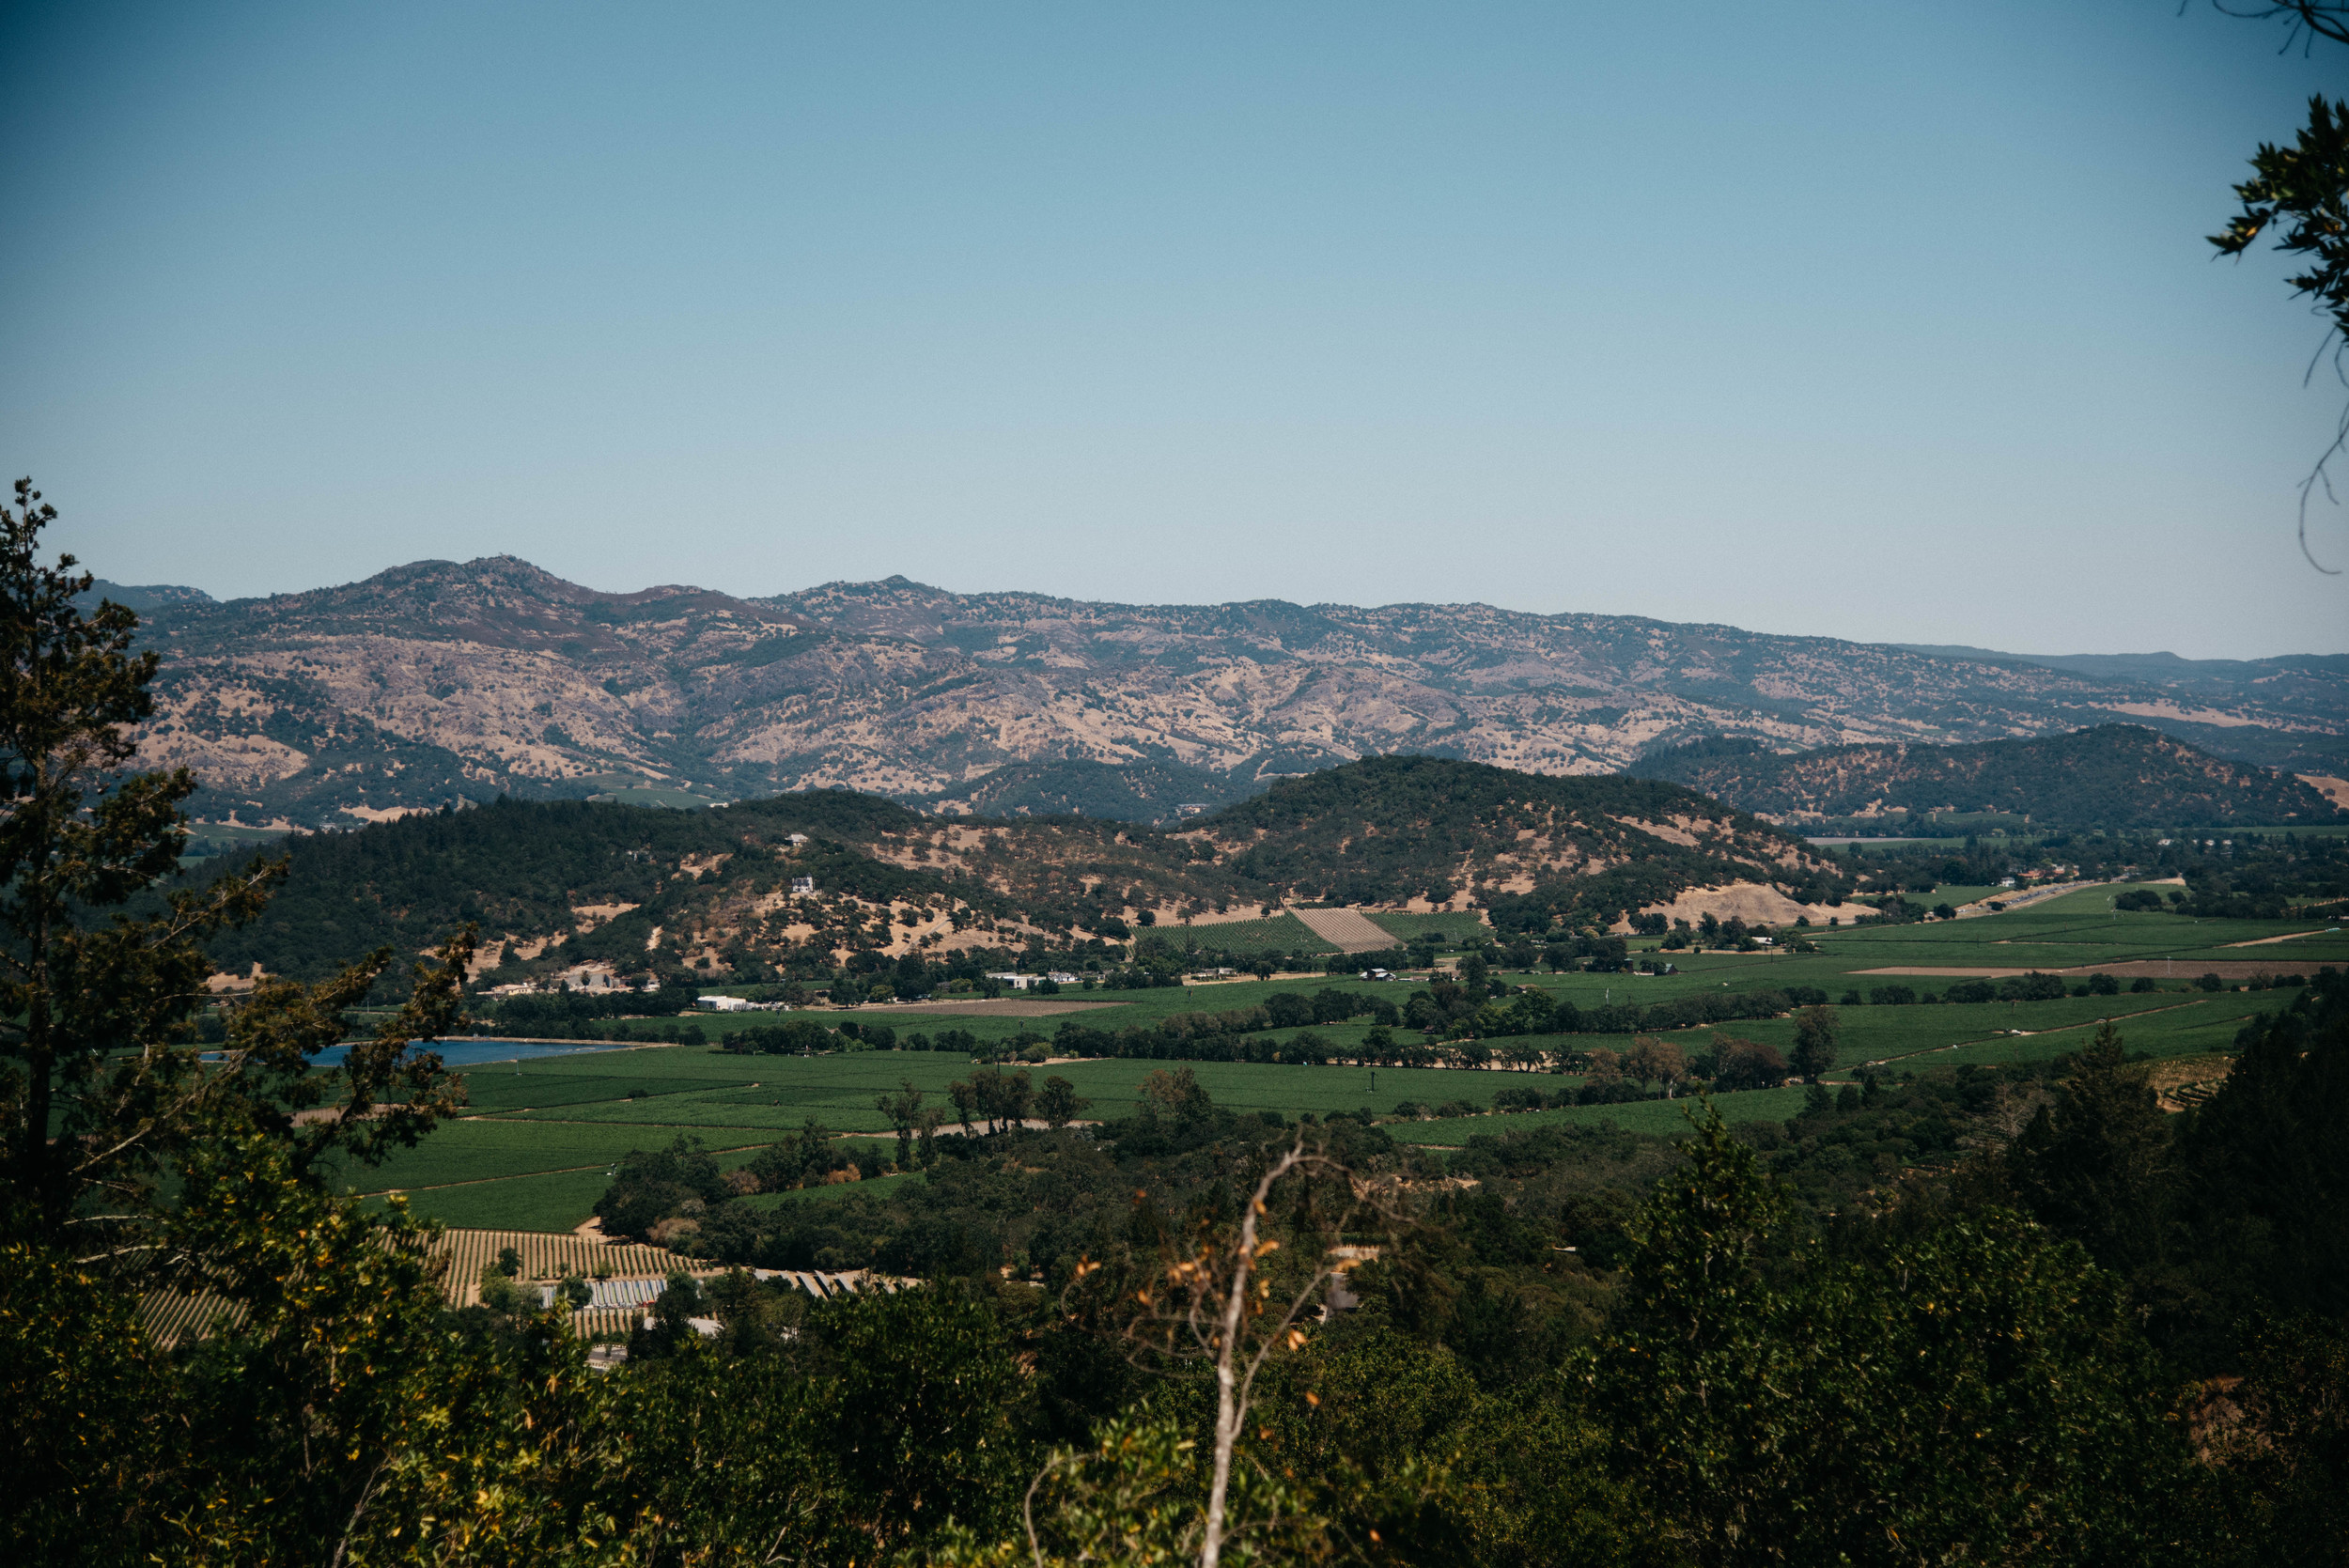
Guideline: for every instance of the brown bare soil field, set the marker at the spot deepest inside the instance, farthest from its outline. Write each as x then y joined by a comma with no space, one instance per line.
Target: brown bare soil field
1347,930
1750,902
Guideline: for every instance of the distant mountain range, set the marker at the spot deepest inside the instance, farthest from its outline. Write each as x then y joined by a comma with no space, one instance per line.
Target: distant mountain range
439,680
2115,776
2226,679
156,596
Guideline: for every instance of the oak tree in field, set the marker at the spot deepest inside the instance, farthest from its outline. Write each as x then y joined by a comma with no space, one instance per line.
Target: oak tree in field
1815,1030
1059,1103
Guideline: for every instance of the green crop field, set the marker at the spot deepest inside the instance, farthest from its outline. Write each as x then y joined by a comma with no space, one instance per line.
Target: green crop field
1243,937
2166,1023
539,1162
2208,1024
556,1201
1660,1118
1452,925
484,1150
2082,928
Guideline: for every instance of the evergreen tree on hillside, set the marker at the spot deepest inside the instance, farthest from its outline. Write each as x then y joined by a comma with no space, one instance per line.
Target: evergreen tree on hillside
2264,1168
2096,1166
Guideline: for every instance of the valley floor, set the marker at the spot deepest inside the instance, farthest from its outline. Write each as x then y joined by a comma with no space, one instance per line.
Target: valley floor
542,1135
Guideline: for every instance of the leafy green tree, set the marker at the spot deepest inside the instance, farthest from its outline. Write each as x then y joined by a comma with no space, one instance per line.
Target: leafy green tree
1742,1064
1815,1031
650,1186
1003,1097
669,1329
131,1164
500,1293
82,1388
2278,1439
1060,1104
1176,1095
807,1156
1127,1499
102,1086
1651,1058
1697,1334
1973,1391
929,1400
1390,1432
905,1113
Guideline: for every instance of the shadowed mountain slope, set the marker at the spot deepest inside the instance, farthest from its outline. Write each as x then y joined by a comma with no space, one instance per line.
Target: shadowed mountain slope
2111,776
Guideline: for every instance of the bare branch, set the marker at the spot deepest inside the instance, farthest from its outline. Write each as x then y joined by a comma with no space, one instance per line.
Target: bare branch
2310,20
2320,474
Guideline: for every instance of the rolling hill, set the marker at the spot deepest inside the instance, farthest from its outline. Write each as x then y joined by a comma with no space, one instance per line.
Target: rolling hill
711,893
2112,776
440,680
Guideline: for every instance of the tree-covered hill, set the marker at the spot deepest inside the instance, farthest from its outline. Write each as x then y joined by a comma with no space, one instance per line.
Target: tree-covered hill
2112,776
1144,791
716,893
527,872
1534,848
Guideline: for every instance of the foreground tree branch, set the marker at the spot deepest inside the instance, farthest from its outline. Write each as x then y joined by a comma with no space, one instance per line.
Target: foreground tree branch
104,1092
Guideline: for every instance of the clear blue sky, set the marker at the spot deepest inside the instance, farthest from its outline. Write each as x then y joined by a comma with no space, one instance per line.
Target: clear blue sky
1892,322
